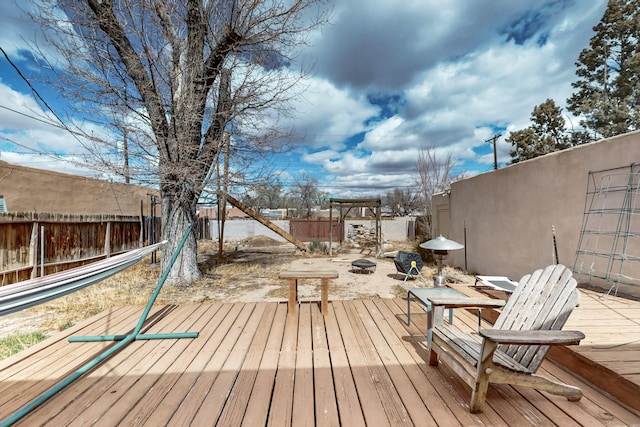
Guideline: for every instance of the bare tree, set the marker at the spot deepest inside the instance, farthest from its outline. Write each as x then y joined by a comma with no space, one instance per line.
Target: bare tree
306,196
268,194
402,202
186,71
434,175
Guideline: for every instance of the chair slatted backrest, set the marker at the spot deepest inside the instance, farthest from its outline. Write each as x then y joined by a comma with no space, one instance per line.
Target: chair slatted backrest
542,300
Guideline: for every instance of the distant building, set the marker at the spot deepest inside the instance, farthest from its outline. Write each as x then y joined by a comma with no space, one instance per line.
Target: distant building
211,212
27,189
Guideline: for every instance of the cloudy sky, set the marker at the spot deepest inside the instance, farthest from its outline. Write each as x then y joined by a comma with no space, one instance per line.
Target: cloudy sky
389,78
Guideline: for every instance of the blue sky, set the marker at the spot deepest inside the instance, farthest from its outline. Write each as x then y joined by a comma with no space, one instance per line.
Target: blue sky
389,77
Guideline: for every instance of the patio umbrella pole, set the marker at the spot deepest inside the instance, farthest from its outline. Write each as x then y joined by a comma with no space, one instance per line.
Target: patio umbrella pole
123,341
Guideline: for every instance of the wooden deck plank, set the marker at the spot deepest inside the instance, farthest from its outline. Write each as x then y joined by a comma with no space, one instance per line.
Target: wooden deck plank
32,361
623,366
326,408
58,403
504,395
257,411
561,411
450,391
414,366
37,378
542,412
347,400
380,336
169,379
219,353
303,412
627,353
389,395
145,386
234,410
370,400
220,390
607,322
51,345
219,322
136,365
361,364
281,404
596,404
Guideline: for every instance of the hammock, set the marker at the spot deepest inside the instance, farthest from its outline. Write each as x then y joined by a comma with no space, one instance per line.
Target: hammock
21,295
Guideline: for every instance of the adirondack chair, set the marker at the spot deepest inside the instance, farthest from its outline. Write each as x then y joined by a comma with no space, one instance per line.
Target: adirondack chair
514,349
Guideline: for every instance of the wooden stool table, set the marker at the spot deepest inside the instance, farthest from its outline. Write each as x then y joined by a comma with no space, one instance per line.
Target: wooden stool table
294,276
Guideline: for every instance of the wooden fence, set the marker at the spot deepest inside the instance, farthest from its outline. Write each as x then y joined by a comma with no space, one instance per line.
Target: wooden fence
310,230
35,244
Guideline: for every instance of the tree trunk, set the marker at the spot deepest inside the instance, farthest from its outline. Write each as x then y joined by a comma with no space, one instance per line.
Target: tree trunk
175,222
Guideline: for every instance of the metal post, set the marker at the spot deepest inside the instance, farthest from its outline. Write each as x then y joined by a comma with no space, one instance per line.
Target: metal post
41,250
330,226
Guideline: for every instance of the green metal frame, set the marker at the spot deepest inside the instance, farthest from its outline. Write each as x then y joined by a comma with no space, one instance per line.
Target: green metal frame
123,340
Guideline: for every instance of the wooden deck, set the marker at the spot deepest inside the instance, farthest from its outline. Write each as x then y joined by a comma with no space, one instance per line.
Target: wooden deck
609,356
252,364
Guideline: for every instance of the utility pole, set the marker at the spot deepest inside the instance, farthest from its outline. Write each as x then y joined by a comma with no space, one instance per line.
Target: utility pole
494,138
125,147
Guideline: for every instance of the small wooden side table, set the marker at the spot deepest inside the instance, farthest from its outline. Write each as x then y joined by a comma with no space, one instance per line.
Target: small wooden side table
435,313
293,276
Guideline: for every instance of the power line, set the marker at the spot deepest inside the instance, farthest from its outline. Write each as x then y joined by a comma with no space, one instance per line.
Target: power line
33,89
30,116
37,94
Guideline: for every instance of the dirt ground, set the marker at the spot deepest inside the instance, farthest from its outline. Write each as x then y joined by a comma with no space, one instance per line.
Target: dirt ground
382,281
247,273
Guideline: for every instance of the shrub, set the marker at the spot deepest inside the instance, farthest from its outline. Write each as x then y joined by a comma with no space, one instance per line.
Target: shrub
318,247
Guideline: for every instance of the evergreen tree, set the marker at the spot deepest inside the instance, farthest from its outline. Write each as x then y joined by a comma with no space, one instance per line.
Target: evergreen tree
608,91
546,134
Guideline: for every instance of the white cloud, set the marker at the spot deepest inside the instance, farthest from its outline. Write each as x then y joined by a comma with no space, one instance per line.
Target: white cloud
326,115
320,156
458,72
18,110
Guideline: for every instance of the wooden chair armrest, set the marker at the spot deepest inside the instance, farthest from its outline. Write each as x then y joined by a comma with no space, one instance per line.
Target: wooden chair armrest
466,302
546,337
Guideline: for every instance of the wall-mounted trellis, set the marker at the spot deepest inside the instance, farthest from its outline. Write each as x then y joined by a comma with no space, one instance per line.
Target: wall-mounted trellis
609,244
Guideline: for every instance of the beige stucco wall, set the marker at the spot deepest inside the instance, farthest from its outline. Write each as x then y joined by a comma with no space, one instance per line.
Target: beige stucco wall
505,217
38,190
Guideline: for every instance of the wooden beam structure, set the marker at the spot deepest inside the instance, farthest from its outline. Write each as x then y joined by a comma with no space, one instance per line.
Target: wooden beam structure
345,206
262,220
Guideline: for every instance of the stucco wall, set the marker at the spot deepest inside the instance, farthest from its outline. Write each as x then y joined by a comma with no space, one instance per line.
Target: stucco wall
505,217
397,229
38,190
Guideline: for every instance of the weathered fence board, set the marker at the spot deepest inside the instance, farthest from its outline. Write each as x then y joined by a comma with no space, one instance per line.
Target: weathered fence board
310,230
32,244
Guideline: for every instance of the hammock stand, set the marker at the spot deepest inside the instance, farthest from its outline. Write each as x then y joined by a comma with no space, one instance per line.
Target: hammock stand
123,340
